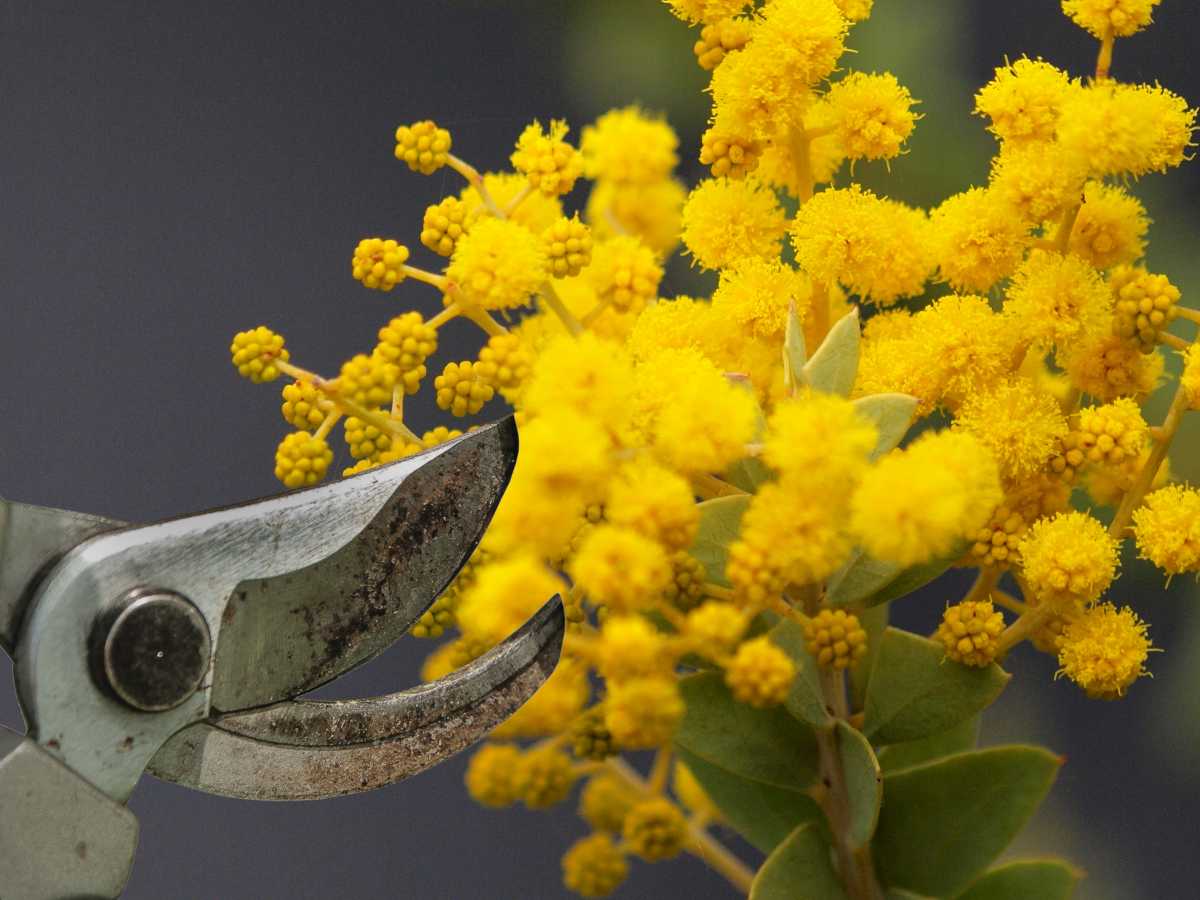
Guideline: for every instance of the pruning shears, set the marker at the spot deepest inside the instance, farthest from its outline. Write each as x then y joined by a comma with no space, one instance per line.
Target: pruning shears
178,648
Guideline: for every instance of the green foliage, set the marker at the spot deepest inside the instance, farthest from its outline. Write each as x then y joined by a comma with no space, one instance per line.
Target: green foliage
1031,879
795,354
799,869
805,701
892,415
870,582
719,522
864,783
943,822
913,693
962,736
874,622
833,367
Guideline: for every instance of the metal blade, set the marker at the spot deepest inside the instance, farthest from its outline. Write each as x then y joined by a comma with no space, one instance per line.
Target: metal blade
284,635
307,750
32,538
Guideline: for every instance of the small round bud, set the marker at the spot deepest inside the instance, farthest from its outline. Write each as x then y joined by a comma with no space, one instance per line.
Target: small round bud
545,777
254,352
590,737
492,775
367,380
760,674
546,159
594,866
686,588
655,829
301,459
835,639
728,154
643,713
365,441
717,626
969,632
1146,304
996,542
304,406
423,146
568,246
605,801
720,38
379,263
406,341
444,223
461,390
505,363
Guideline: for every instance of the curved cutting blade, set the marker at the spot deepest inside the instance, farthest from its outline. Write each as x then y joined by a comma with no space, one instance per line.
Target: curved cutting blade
288,634
307,750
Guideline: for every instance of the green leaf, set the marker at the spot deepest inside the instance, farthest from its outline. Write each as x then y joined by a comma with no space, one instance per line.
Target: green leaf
892,414
870,581
1026,879
761,813
962,736
765,745
864,783
898,894
748,473
795,354
914,692
945,821
873,621
833,367
806,701
798,869
719,522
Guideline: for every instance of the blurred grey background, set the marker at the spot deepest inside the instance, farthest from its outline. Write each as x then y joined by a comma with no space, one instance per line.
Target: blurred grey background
173,172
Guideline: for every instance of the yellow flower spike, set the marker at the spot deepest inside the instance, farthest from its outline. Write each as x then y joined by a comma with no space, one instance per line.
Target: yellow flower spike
726,220
686,588
835,638
568,246
655,502
545,777
505,363
365,440
1189,380
720,38
379,263
629,146
655,829
976,239
873,115
498,264
697,12
621,569
1111,227
716,626
728,153
1104,650
253,353
443,224
367,380
1058,299
407,341
546,159
631,647
969,631
1019,423
1024,100
996,542
493,775
643,713
1108,366
461,390
302,460
591,739
1039,180
760,674
1146,305
305,406
1116,18
422,146
821,437
1068,560
1167,529
1112,434
594,866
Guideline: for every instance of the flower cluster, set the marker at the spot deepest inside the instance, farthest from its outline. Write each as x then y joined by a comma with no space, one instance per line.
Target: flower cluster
695,471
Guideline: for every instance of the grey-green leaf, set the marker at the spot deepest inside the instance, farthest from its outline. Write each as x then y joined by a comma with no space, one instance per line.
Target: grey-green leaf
864,783
748,473
1026,879
915,692
945,821
719,523
795,354
799,869
868,581
962,736
892,414
761,813
873,621
833,367
766,745
805,701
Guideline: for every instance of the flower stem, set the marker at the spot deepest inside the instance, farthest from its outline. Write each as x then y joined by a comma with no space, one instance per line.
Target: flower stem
709,486
471,174
452,311
438,281
985,584
1172,341
550,296
1062,237
802,163
1105,56
484,320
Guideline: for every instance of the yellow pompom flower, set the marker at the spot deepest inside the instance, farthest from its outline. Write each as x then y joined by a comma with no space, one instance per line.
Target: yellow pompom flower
760,674
1024,100
493,775
877,248
1126,129
650,212
505,363
301,459
918,503
621,569
304,406
1058,299
594,866
855,10
753,89
1039,179
505,594
605,801
720,38
968,347
379,263
1111,226
969,632
422,146
1189,380
1112,434
498,264
1069,559
552,709
643,713
873,113
629,146
803,38
1146,304
630,647
655,829
1110,18
253,354
365,441
546,159
996,542
461,389
727,152
725,220
835,638
819,437
655,502
536,211
1167,529
443,224
716,626
591,376
976,239
568,246
624,273
545,777
698,12
1104,650
406,341
1018,423
755,294
367,380
1107,366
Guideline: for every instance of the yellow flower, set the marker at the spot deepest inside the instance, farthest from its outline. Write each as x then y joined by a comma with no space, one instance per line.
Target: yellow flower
835,639
301,459
1111,226
967,346
406,341
720,38
498,264
630,647
756,293
1018,423
643,713
492,776
621,569
461,389
505,594
1118,18
1069,559
1126,129
650,212
803,38
1039,179
655,829
819,437
655,502
552,709
1190,378
969,631
1167,528
753,89
624,274
569,246
546,159
760,674
591,376
873,113
379,263
605,801
1146,304
545,777
629,146
697,12
717,627
1024,100
1104,650
594,866
254,353
1058,299
726,220
1108,366
976,239
422,146
443,224
677,324
1112,434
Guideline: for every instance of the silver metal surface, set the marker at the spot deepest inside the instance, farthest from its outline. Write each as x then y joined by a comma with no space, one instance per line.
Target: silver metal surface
59,836
31,539
308,750
205,558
